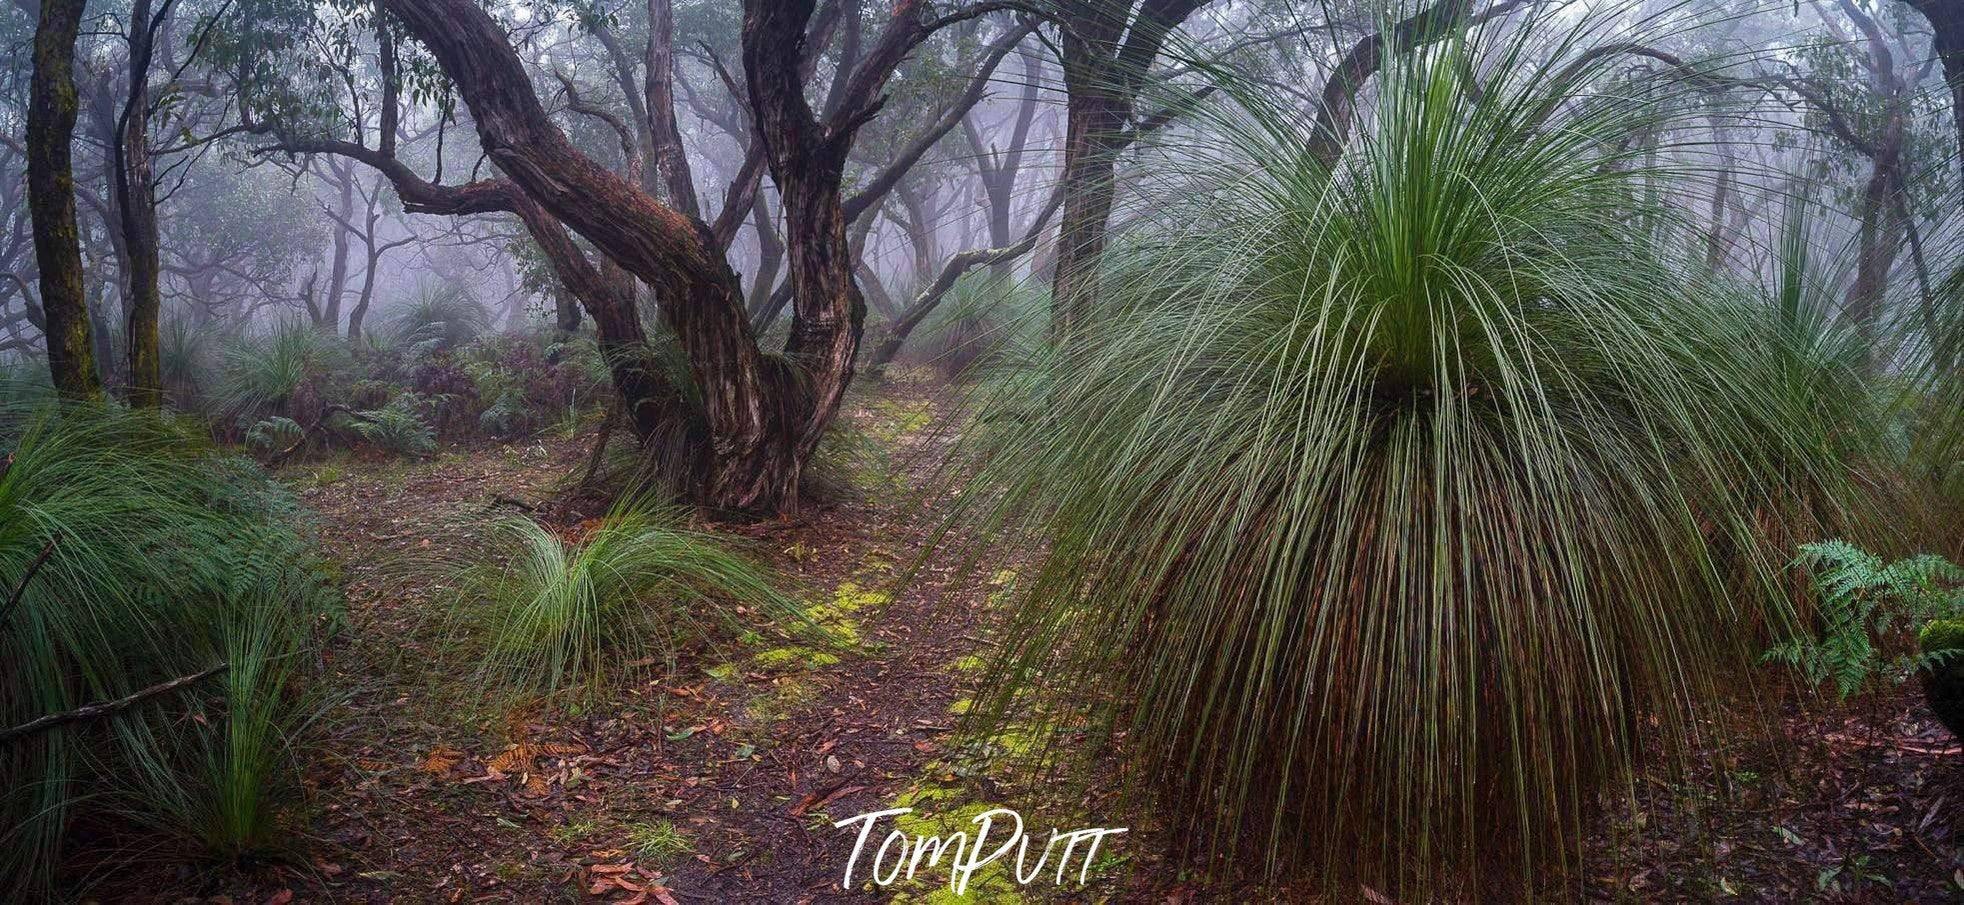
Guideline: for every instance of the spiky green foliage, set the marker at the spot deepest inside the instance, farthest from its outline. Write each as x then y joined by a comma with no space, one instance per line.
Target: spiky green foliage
579,614
443,316
983,315
273,434
282,370
186,358
1380,508
166,561
1866,609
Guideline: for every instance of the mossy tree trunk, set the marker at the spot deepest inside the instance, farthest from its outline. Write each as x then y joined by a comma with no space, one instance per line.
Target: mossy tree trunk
51,112
137,206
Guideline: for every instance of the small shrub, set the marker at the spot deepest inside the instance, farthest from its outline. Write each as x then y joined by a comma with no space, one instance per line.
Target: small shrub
286,370
273,434
563,614
441,316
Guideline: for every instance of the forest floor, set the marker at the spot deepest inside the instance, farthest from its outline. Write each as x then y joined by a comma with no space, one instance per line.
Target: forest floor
721,782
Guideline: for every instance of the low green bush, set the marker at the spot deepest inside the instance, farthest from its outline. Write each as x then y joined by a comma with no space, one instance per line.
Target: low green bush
580,613
163,560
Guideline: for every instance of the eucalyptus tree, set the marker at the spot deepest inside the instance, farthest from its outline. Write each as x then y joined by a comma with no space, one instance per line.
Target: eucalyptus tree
764,414
51,113
1946,19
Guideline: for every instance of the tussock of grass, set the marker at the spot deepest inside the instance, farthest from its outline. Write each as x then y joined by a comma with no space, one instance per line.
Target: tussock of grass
1392,512
167,561
562,615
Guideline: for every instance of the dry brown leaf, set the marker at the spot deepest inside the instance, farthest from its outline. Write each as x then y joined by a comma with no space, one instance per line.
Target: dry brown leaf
440,759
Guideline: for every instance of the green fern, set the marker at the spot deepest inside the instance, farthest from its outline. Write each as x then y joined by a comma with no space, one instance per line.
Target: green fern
273,433
398,427
1867,610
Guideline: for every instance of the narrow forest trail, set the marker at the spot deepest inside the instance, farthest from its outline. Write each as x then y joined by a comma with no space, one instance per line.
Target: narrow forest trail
721,782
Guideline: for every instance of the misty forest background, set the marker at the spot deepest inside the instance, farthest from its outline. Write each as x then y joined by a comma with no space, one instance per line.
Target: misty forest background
1375,451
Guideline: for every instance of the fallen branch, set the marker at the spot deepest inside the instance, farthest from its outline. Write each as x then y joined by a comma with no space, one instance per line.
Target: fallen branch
104,708
600,447
13,600
512,501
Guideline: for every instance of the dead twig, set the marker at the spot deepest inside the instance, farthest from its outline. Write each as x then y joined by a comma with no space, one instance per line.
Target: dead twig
20,589
104,708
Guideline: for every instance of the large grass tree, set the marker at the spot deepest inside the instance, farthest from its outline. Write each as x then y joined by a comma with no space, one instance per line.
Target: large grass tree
1404,497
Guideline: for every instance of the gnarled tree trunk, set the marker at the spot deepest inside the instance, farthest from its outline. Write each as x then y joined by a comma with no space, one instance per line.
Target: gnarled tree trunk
1107,49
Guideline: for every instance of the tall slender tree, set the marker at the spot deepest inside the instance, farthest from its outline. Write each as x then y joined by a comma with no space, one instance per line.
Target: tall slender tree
51,113
136,205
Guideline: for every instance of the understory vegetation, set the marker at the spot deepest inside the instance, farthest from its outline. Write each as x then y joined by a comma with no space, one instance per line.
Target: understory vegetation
138,556
1392,452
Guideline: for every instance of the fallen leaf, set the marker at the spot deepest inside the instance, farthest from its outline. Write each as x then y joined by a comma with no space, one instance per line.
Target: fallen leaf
440,759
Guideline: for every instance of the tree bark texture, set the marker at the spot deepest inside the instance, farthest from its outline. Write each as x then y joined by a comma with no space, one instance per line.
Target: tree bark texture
51,113
137,204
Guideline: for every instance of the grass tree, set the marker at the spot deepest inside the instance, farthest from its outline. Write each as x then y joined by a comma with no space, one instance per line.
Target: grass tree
1403,499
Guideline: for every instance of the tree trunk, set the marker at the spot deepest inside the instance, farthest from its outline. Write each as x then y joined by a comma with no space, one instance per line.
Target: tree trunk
51,112
1946,19
671,159
1090,168
770,256
360,311
764,414
999,170
1102,78
137,203
337,279
1880,235
565,310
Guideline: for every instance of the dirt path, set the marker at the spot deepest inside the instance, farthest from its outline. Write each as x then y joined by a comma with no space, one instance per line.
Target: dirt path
720,783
